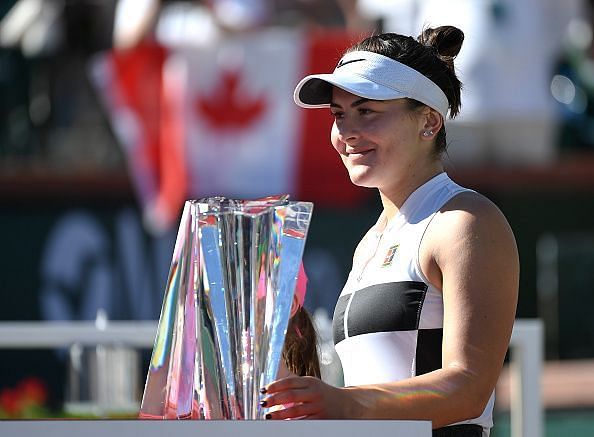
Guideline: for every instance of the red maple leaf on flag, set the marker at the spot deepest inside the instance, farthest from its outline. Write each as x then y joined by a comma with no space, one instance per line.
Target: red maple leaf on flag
227,107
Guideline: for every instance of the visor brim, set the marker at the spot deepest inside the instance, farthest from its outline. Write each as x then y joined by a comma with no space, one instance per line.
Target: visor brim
315,91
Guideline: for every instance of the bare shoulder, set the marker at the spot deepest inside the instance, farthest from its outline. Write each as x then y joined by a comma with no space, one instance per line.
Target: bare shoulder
469,234
471,216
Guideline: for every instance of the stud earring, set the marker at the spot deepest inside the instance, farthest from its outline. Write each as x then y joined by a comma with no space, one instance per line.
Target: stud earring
427,133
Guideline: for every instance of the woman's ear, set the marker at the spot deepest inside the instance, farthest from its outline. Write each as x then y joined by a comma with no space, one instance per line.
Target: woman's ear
432,123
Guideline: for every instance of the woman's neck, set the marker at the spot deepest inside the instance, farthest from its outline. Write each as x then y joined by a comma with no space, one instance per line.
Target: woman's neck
394,197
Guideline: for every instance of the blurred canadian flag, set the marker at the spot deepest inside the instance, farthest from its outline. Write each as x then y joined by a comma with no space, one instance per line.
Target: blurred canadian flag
221,120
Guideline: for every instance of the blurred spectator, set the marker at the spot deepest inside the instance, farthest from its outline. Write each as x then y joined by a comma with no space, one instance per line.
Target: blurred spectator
50,107
203,22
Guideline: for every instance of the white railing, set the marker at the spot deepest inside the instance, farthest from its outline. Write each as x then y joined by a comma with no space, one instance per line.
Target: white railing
47,335
526,363
526,358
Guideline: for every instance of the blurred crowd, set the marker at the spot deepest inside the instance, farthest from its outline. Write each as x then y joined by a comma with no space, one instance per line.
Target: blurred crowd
525,66
48,106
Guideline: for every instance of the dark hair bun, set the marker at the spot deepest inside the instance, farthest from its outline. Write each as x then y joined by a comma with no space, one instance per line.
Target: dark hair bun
446,40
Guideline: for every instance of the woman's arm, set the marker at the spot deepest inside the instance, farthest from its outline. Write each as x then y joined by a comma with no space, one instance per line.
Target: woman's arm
470,253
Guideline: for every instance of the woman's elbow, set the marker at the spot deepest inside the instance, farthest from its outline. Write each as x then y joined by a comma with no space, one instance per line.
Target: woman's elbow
475,403
473,395
477,409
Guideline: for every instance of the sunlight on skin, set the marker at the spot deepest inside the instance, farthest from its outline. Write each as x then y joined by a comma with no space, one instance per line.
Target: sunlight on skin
285,396
417,393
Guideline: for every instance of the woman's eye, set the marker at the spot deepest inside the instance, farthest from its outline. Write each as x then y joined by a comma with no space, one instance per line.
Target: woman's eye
365,111
337,115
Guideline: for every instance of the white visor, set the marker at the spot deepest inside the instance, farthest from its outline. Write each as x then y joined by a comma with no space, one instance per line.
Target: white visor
372,76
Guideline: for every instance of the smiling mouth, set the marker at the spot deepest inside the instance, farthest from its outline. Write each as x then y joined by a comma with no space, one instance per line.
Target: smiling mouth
356,153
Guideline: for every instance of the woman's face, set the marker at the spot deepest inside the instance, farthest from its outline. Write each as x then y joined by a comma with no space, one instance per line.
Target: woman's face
380,142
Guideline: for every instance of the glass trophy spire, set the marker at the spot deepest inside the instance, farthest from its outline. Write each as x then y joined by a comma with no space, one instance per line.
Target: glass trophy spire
226,307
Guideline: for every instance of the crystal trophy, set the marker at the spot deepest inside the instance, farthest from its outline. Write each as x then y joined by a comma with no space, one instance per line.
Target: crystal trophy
226,307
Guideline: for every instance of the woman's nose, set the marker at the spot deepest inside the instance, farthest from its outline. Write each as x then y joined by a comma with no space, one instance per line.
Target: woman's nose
347,131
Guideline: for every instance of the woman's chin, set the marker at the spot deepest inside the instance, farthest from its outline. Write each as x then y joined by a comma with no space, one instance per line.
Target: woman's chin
361,179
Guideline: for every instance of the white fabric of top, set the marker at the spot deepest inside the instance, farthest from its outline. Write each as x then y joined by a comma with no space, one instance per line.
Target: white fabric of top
372,76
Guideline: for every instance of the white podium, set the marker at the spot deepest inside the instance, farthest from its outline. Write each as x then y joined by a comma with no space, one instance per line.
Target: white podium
215,428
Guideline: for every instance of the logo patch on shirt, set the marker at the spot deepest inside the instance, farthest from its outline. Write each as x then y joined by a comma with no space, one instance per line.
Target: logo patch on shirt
390,256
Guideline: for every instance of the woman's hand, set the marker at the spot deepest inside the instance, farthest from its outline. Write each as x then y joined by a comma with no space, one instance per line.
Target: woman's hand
306,397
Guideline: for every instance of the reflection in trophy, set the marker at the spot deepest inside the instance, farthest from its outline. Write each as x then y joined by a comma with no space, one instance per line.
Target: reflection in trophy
226,307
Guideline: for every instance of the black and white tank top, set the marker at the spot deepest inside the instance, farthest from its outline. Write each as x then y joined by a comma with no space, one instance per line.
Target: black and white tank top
388,321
